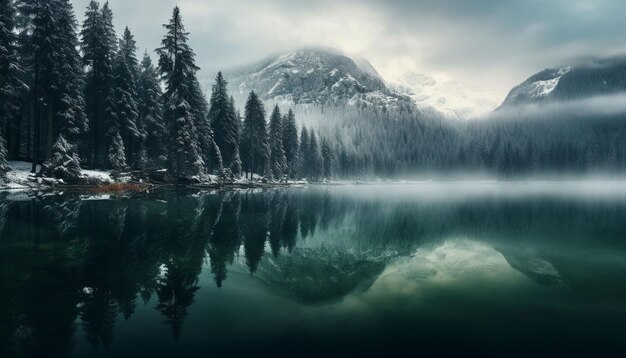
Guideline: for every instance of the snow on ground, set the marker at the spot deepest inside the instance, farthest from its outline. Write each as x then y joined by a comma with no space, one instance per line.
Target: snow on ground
17,177
98,174
96,197
20,176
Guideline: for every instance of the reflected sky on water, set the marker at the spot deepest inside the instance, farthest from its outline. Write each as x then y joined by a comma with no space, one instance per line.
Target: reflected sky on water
432,268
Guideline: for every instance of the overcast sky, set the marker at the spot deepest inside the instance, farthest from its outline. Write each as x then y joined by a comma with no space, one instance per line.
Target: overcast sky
489,45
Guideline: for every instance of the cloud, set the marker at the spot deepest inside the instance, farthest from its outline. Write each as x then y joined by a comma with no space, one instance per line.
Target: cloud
488,45
605,105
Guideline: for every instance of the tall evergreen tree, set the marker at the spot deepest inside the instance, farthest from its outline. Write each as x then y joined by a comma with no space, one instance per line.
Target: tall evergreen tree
38,32
178,72
56,81
255,143
236,165
278,161
98,45
317,164
328,158
290,144
126,112
151,115
211,154
70,123
225,125
305,160
11,86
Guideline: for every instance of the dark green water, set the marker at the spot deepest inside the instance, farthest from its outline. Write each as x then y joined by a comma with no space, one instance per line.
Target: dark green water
413,270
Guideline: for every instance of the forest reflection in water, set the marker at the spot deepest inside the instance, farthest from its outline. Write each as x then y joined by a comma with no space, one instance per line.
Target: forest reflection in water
79,270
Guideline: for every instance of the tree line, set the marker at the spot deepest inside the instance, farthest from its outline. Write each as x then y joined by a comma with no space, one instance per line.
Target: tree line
75,98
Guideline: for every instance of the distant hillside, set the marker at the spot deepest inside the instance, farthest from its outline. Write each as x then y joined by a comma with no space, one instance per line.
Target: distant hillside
592,78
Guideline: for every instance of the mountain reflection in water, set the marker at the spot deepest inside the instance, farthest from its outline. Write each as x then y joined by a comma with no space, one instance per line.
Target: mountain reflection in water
359,269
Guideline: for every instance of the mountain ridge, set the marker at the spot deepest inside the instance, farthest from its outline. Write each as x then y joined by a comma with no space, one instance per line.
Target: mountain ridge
590,78
317,76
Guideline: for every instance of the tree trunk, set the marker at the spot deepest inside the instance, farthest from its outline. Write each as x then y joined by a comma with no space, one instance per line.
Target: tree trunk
37,122
50,132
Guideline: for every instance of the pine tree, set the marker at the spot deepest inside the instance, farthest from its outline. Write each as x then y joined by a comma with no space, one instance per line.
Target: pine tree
304,158
72,119
151,115
317,164
4,166
278,161
225,125
290,144
210,152
126,99
70,124
98,45
329,158
52,58
11,87
255,143
39,34
178,72
236,164
64,163
117,153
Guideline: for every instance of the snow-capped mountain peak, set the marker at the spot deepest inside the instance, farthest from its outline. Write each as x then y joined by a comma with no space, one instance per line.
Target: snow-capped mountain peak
327,77
317,76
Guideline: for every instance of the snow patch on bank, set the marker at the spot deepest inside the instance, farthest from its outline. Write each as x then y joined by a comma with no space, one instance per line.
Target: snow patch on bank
98,174
21,178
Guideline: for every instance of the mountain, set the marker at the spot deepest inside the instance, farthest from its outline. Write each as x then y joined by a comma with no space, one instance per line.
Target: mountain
446,96
588,79
317,76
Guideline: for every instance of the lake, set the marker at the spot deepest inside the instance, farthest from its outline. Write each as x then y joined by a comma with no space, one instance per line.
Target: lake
414,269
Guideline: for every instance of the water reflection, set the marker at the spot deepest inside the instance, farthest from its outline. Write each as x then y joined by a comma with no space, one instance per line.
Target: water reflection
73,263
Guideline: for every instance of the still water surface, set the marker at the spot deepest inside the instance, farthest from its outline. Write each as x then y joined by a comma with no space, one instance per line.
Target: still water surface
420,269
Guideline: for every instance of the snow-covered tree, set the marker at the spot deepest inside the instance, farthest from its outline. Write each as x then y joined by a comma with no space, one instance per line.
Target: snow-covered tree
184,154
236,164
98,46
151,114
278,161
117,153
328,158
178,73
255,142
225,125
4,167
64,163
290,144
210,152
315,157
11,86
126,98
54,65
304,159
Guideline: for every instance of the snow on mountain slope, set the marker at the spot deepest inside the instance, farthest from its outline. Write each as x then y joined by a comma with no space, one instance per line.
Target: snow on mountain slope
446,96
537,87
585,80
317,76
